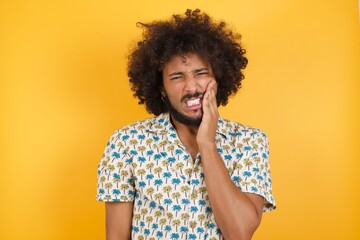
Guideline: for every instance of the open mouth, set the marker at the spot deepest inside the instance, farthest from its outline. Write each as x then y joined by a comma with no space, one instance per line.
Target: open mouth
193,102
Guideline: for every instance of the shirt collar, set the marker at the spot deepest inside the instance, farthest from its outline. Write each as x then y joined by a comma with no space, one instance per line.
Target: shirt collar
161,125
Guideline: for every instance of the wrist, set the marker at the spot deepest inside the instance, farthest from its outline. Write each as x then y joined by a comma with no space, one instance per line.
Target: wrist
207,146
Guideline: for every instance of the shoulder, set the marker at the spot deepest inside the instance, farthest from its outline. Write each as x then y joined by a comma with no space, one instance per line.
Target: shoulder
138,127
238,130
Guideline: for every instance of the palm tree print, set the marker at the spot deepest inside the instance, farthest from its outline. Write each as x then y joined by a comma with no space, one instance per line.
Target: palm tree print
145,163
201,217
158,196
162,222
140,172
183,231
176,209
108,186
157,183
192,224
167,190
194,210
157,214
185,217
194,194
158,171
175,182
150,190
141,149
149,141
175,236
159,234
124,186
176,223
149,177
176,196
167,175
185,188
170,215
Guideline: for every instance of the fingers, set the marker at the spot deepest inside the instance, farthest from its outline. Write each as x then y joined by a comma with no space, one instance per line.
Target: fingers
209,102
213,96
207,129
211,84
213,89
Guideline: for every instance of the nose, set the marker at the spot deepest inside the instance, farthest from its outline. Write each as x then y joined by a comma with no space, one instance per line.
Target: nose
191,84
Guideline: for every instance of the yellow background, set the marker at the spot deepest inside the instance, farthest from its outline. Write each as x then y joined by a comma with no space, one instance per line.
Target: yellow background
64,90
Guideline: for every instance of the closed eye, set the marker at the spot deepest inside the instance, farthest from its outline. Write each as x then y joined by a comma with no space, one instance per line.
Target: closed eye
202,73
176,77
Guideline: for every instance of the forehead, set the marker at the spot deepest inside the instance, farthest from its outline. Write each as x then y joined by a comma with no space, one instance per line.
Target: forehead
185,61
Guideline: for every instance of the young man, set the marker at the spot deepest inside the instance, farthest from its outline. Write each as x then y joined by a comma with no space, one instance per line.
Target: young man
186,173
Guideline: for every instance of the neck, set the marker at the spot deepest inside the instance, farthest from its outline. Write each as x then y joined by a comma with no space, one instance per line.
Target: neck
187,135
183,129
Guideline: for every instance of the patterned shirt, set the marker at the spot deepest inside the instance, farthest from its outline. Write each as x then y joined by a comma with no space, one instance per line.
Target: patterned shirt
146,163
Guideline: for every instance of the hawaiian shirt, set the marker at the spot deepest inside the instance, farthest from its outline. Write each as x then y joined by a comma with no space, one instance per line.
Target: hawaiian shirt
146,163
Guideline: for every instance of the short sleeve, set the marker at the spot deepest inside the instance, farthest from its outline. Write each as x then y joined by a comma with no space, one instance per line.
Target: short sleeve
115,176
252,170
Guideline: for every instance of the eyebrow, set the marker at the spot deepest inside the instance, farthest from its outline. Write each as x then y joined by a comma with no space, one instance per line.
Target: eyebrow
195,71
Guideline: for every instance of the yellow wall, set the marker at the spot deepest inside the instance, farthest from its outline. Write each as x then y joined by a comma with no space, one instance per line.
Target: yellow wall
64,91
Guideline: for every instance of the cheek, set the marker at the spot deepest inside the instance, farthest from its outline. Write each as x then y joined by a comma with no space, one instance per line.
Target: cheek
173,91
204,82
170,88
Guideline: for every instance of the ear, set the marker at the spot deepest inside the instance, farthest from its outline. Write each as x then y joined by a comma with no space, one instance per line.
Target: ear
162,91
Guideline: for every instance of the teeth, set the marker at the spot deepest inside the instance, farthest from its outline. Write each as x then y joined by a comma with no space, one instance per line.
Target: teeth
193,102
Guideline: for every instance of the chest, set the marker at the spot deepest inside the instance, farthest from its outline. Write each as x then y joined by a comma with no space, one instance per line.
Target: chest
171,194
193,149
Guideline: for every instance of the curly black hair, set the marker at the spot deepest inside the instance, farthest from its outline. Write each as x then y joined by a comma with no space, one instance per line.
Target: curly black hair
195,32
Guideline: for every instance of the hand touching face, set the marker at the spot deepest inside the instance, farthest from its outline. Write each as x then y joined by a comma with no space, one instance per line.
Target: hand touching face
207,129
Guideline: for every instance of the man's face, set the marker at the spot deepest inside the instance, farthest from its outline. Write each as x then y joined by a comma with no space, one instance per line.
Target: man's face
185,78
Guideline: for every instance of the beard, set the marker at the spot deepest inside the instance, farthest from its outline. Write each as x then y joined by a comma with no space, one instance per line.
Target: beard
178,116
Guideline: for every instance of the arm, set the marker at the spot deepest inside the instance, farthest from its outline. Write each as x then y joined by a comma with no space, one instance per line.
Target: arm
118,220
115,181
237,214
